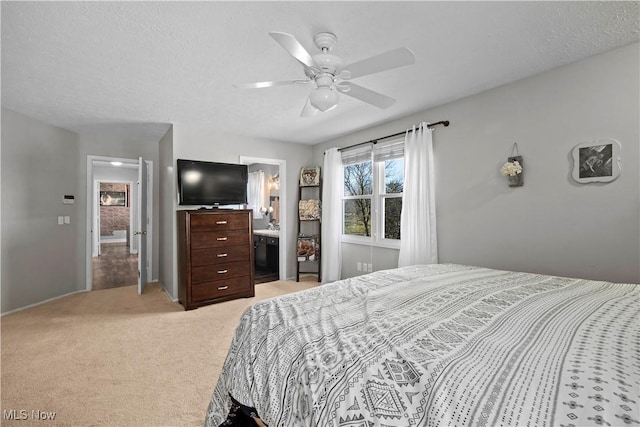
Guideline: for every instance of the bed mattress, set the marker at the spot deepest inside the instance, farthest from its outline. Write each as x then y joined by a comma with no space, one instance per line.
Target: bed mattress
439,345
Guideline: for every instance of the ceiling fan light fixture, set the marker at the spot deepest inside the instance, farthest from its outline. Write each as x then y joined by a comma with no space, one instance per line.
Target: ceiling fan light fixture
324,99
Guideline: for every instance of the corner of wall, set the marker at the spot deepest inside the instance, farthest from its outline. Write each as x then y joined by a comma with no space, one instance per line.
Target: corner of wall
167,219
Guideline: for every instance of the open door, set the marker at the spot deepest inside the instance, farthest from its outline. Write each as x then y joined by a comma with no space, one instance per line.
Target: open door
142,223
96,217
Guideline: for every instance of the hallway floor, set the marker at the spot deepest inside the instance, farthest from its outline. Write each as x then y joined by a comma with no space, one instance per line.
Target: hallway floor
115,267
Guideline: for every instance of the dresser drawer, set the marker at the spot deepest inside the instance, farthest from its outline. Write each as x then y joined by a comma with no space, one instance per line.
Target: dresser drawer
220,288
208,273
212,239
217,222
220,255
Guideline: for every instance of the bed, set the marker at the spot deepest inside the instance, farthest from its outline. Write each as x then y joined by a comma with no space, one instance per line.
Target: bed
437,345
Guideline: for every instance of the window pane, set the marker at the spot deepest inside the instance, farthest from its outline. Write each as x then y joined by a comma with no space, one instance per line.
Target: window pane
393,176
357,217
358,179
392,210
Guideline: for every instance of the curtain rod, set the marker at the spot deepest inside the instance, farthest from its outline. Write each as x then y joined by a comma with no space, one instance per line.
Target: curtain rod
444,123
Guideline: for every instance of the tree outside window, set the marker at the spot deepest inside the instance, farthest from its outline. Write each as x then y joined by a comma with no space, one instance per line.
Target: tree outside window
392,197
372,184
358,189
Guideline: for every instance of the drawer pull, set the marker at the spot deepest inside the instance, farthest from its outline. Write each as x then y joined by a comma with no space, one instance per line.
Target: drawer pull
221,238
221,222
222,255
222,271
222,288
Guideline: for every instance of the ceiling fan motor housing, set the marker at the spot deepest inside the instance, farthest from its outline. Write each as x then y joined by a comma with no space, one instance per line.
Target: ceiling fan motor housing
324,80
328,62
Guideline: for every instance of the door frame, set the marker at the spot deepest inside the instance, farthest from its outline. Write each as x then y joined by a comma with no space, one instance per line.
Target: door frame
91,203
149,248
142,221
282,243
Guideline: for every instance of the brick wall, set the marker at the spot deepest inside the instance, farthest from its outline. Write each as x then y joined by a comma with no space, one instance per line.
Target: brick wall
113,217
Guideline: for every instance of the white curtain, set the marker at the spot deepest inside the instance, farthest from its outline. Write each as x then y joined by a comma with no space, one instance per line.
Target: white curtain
332,186
418,240
257,193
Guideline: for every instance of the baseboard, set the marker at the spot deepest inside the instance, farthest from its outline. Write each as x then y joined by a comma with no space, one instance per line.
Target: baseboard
167,292
75,292
39,303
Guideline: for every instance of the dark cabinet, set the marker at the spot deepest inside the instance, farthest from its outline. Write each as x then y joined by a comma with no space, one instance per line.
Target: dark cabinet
260,250
266,250
273,254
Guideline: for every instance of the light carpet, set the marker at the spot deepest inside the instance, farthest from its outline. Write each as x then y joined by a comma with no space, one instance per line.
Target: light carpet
113,358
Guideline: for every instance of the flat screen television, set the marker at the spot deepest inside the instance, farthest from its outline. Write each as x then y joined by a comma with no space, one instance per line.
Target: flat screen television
211,184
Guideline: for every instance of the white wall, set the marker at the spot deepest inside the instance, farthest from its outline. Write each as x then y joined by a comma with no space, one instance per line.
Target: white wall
167,216
551,225
198,144
39,257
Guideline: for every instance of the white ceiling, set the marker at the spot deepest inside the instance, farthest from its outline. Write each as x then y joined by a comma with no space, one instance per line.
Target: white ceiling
128,69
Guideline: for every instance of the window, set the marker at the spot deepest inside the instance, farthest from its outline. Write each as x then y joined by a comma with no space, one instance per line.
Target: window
393,173
372,201
358,192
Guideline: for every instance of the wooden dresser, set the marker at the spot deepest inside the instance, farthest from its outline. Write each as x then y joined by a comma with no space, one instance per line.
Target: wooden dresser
215,256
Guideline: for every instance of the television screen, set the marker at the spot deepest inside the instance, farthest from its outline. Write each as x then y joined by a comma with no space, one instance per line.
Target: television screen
210,183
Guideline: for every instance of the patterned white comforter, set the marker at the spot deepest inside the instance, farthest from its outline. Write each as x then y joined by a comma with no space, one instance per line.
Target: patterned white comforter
439,345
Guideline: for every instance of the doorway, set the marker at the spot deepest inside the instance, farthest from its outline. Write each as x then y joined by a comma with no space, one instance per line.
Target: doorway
116,263
270,225
114,209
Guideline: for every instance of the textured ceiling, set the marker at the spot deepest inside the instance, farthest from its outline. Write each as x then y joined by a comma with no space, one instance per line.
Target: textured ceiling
128,69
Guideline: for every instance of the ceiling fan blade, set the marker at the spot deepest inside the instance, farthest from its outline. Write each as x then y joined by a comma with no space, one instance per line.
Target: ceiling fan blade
260,85
384,61
309,110
367,95
293,46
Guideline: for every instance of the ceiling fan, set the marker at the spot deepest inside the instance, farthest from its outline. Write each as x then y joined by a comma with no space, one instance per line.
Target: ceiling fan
331,76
